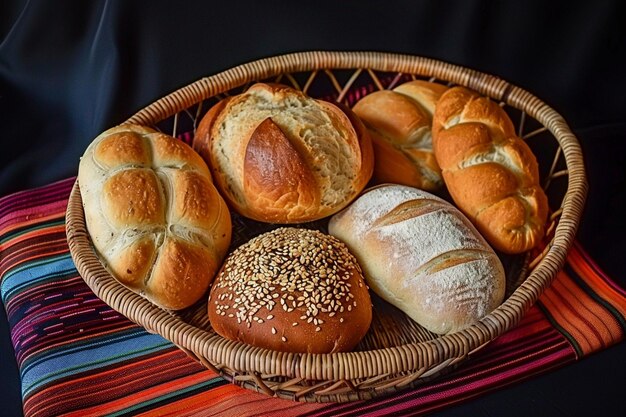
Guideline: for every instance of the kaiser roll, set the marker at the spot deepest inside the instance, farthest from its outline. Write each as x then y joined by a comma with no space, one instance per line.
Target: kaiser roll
153,215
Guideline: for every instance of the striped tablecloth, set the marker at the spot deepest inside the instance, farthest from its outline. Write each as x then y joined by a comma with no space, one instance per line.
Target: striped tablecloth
78,357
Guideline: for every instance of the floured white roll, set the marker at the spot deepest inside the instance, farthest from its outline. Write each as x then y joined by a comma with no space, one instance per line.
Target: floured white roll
421,254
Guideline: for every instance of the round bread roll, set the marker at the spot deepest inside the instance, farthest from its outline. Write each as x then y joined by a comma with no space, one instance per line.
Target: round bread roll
291,290
155,219
399,122
279,156
422,255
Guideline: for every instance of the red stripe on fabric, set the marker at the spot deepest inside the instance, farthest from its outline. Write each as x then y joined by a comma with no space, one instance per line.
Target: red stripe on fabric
207,404
110,389
580,258
36,198
551,301
438,395
446,399
599,317
24,252
26,236
11,223
36,207
153,389
598,282
485,363
583,318
495,358
591,332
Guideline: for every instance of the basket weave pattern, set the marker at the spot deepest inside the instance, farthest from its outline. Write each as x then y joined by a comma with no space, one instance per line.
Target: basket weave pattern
397,353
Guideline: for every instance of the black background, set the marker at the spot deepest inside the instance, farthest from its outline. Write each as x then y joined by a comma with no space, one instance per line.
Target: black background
71,69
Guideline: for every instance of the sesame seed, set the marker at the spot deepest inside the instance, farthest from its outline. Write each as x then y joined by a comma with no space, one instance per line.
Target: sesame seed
284,339
304,269
273,330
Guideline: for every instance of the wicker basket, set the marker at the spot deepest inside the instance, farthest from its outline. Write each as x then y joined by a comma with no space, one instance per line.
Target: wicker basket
396,353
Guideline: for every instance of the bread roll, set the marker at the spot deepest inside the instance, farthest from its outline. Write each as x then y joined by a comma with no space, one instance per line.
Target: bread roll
490,172
279,156
154,217
399,122
421,254
291,290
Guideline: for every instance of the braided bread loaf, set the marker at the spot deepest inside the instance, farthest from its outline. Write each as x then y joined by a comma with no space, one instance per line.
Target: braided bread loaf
491,173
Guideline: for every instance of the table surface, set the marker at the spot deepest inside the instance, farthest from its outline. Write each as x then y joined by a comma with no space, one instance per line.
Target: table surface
63,84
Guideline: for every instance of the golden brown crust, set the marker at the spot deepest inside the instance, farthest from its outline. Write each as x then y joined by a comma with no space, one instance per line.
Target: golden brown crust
153,214
122,148
332,155
491,174
133,263
425,92
269,155
291,290
176,154
132,197
399,122
392,115
393,165
182,273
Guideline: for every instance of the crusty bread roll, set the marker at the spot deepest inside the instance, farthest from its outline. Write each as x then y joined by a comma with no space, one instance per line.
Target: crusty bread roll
399,122
490,172
279,156
153,214
291,290
421,254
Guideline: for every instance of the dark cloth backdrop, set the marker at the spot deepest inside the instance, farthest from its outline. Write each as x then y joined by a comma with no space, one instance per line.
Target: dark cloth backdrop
71,69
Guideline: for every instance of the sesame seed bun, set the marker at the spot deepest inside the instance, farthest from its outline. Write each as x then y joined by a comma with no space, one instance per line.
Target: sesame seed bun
292,290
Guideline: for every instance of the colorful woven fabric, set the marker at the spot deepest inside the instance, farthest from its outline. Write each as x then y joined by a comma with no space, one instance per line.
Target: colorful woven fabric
78,357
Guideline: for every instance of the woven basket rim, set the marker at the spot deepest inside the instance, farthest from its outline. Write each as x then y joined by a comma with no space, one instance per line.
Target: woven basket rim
447,347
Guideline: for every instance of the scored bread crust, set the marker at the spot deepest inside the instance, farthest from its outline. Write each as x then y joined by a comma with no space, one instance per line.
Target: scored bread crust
491,173
280,156
399,122
421,254
291,290
153,215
